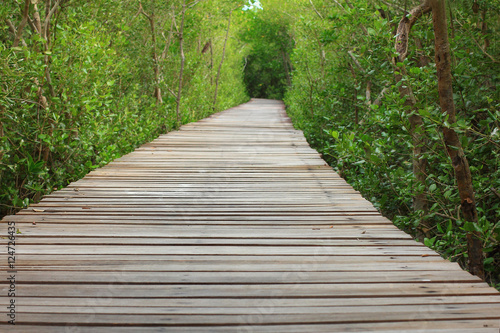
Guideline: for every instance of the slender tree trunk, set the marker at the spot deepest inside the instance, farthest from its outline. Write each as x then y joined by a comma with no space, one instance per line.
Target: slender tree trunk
355,96
452,141
154,54
452,22
45,34
423,59
24,20
13,30
368,90
43,29
311,87
2,111
287,70
315,10
416,123
484,30
168,40
222,60
37,21
211,65
183,59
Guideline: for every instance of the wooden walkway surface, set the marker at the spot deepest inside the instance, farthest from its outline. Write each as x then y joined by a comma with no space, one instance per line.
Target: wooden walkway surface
232,224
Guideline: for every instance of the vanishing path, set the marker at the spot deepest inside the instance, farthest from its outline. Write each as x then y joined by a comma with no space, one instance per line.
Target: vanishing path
232,224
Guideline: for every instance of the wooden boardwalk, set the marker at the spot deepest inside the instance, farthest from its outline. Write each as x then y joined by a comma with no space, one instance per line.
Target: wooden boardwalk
232,224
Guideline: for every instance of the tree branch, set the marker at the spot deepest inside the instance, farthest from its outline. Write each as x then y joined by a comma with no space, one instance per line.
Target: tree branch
405,26
495,192
194,3
355,61
393,5
135,15
222,60
169,39
380,96
314,7
22,24
12,29
338,3
141,11
47,19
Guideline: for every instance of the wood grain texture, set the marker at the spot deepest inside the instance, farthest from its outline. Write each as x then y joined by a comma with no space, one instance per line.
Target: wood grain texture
231,224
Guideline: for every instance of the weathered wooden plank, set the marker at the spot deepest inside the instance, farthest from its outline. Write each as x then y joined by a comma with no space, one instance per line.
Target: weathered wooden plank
221,302
292,290
341,316
224,250
306,277
462,326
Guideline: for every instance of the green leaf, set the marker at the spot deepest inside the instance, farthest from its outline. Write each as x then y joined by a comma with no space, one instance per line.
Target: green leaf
432,187
488,261
450,226
415,70
424,112
429,242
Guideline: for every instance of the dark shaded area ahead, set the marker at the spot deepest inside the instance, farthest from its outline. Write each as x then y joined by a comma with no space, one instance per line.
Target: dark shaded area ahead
268,67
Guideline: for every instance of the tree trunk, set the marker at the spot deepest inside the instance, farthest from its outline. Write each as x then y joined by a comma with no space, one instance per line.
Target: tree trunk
222,60
43,29
416,129
355,96
45,34
368,90
423,59
183,59
452,141
24,20
154,54
210,41
484,30
287,70
452,22
168,40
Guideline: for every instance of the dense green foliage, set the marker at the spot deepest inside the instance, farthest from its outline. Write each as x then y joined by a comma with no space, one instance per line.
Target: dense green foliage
84,94
340,51
345,97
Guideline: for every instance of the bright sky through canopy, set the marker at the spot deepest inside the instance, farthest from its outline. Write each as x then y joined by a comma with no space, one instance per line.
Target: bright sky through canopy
252,5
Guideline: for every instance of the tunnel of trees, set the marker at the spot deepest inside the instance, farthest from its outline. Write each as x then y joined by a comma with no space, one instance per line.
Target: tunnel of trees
412,124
